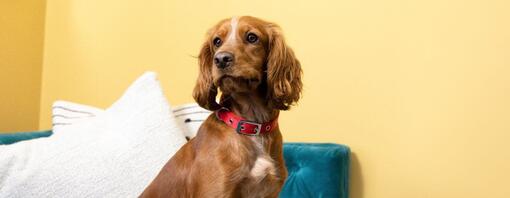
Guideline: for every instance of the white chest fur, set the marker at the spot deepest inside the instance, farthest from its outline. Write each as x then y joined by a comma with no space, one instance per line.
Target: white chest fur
263,166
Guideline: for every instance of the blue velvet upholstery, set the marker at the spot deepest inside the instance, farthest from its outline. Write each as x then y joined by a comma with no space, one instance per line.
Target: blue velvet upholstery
9,138
315,170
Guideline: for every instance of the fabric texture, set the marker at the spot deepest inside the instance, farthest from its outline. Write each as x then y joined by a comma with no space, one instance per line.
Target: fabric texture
9,138
190,117
316,170
65,114
115,154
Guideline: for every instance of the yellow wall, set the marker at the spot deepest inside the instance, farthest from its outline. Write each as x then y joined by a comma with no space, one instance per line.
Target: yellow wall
21,45
420,90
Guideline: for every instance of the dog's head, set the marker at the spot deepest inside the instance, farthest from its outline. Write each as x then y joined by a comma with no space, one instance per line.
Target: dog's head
246,54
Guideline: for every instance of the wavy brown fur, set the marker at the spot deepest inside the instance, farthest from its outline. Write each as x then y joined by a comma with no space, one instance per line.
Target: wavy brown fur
264,79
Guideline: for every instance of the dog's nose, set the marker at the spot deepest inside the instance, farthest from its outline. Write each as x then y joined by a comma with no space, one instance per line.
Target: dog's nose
223,59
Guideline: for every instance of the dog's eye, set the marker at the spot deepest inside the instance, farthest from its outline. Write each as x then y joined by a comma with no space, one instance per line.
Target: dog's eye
252,38
217,42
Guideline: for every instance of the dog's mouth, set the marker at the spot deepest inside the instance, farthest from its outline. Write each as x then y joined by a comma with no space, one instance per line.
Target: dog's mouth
237,84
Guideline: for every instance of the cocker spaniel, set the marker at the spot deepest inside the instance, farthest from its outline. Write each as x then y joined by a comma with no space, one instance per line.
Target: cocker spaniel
237,151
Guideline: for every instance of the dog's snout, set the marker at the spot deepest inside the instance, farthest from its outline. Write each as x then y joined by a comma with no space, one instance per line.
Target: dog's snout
223,59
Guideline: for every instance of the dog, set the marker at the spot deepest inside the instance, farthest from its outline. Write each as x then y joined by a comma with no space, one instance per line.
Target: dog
237,151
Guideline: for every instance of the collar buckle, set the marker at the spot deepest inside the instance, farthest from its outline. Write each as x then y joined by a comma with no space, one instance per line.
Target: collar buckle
241,127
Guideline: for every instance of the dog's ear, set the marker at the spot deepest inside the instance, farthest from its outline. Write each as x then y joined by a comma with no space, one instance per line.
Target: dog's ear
283,71
205,92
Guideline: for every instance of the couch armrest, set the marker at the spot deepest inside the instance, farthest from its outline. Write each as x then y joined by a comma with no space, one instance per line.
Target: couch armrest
10,138
316,170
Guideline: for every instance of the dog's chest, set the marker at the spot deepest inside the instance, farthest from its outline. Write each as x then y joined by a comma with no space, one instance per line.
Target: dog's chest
262,180
263,176
262,167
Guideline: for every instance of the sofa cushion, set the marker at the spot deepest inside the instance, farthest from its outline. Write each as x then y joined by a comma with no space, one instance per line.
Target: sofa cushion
316,170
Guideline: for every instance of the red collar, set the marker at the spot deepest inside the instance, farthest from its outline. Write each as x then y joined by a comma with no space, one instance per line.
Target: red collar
243,126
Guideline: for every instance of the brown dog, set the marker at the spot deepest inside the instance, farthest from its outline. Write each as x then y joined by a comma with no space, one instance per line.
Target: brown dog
238,150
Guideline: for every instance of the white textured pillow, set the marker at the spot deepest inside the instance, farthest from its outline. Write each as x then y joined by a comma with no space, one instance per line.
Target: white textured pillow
116,154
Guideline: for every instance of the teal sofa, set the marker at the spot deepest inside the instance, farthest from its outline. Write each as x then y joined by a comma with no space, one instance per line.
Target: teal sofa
315,169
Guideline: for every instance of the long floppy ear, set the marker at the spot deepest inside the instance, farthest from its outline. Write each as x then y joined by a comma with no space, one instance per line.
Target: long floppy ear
205,92
283,71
